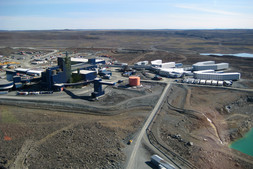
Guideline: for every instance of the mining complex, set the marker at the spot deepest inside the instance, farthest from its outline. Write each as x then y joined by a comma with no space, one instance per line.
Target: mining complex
93,108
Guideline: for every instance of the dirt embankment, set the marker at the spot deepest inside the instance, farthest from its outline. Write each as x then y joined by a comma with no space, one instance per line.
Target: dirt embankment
210,119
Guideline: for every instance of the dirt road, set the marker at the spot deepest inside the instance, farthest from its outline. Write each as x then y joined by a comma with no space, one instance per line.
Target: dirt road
133,161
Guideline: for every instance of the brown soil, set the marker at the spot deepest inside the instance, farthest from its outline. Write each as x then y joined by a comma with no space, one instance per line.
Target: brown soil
193,126
47,139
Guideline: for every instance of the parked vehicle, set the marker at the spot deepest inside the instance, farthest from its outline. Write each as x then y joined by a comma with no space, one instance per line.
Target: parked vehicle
130,142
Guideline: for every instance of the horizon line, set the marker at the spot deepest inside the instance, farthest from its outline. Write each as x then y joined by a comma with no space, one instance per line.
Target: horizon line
16,30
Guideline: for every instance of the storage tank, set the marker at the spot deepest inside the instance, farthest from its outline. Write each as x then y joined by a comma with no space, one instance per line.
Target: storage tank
134,81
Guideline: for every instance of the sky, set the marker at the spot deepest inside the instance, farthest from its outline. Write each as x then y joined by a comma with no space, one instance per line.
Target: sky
125,14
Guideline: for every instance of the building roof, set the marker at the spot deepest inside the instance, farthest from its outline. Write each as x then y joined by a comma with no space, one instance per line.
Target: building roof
79,60
84,72
82,66
21,70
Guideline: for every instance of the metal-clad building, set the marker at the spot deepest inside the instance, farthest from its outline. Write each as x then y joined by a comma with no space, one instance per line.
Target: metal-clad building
210,65
157,63
21,70
171,72
10,74
168,65
35,72
5,85
212,75
83,66
85,75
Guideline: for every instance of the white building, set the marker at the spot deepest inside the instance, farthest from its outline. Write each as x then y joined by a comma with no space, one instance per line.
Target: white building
168,65
21,70
210,65
142,64
79,60
212,75
158,63
35,72
171,72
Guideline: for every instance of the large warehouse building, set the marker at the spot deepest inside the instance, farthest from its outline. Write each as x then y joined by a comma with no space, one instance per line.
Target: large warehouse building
158,63
212,75
206,65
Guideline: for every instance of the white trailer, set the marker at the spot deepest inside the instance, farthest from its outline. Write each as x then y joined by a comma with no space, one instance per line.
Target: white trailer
202,82
161,163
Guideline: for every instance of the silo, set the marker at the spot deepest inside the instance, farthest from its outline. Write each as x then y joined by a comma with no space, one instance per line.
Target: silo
134,81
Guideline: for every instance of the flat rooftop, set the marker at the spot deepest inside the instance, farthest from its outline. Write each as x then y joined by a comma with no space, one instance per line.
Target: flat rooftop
79,60
85,72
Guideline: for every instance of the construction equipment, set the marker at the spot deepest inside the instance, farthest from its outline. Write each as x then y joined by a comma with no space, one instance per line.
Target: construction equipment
130,142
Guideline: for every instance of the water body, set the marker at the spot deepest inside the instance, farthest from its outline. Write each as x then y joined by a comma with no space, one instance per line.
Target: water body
244,144
244,55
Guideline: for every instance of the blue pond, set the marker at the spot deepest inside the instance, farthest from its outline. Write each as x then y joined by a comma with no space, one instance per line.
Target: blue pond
245,55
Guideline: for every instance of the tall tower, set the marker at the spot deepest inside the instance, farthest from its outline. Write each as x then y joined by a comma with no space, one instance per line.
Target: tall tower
67,61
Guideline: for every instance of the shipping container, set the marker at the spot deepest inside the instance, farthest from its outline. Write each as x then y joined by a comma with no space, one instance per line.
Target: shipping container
214,82
202,82
220,83
208,82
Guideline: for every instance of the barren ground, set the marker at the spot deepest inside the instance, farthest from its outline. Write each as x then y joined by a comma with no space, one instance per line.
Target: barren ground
52,139
49,139
210,139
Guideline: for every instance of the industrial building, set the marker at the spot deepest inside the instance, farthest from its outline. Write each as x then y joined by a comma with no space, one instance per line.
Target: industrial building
212,75
21,70
158,63
142,65
98,90
10,74
58,74
83,66
70,70
6,85
171,72
206,65
83,75
33,72
87,61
